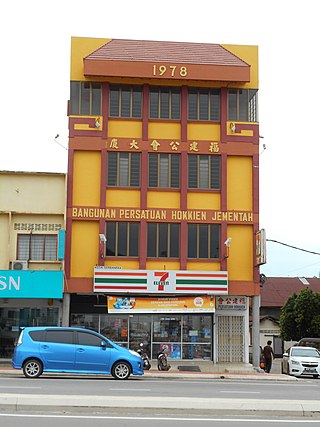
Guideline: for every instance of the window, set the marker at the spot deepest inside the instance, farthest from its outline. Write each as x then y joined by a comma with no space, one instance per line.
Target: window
164,103
204,171
122,239
243,105
85,98
204,104
123,169
61,337
204,241
163,240
125,101
164,170
85,338
40,247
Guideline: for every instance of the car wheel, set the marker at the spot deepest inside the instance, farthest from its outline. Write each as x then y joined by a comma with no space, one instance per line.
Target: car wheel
32,368
121,371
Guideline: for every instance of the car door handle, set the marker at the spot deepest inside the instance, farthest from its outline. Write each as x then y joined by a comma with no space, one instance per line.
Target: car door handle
80,350
45,346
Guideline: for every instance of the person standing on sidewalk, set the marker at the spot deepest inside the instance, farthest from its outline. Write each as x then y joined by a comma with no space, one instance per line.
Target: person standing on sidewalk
268,355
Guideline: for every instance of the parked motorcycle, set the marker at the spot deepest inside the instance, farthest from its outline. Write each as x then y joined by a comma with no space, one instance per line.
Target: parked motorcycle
163,364
144,357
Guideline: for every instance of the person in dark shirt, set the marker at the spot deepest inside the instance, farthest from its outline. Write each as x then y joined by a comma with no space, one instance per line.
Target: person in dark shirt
268,355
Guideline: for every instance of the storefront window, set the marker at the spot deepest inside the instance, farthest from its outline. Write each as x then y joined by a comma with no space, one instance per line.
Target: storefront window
13,318
185,336
115,328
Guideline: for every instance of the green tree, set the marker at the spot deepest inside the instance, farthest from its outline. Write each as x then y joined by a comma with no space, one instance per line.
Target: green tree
300,316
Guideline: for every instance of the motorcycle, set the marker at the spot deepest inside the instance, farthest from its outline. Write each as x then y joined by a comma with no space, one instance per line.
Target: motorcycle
163,364
144,357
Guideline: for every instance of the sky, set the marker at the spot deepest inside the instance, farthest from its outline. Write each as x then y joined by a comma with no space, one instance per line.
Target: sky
35,66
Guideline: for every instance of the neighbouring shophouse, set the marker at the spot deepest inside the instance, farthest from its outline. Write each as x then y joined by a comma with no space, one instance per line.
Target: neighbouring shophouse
275,292
162,235
32,224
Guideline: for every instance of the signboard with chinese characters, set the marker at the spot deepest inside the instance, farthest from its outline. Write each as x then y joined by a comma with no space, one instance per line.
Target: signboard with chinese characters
261,247
231,303
160,282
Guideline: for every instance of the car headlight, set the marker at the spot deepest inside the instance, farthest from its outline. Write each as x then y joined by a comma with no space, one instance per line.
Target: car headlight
294,362
135,353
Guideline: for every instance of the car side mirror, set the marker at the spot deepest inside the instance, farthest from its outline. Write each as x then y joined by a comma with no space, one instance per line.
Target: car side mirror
285,354
103,344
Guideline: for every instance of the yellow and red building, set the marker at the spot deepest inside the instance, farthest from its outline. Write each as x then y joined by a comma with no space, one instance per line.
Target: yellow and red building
163,194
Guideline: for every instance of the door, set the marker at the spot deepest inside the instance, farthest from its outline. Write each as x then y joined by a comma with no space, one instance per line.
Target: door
58,350
90,355
140,332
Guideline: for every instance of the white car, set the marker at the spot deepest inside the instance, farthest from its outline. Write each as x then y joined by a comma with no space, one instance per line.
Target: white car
301,361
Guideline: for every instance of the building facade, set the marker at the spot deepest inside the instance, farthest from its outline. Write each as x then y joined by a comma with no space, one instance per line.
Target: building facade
163,195
32,224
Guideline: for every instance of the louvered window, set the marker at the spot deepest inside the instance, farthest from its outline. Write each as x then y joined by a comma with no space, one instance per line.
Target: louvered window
204,104
243,105
125,101
164,103
204,241
122,239
163,240
204,171
164,170
123,169
40,247
85,98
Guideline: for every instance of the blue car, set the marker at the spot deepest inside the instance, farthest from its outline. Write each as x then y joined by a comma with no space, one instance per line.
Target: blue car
72,350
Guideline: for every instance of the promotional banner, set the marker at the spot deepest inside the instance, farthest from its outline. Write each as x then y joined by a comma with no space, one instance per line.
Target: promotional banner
187,304
160,282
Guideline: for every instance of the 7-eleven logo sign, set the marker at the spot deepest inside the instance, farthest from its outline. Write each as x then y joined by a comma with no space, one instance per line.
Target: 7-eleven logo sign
161,280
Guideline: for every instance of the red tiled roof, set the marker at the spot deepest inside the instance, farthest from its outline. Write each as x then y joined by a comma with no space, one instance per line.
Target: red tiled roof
156,51
166,60
276,290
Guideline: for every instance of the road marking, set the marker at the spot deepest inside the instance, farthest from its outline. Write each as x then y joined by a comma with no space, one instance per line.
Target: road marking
130,389
16,387
108,417
240,392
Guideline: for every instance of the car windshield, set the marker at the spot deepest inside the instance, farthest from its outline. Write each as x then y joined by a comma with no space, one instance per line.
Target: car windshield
305,352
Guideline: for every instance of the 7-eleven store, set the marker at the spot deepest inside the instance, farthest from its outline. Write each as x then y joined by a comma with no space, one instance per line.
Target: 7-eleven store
163,173
188,311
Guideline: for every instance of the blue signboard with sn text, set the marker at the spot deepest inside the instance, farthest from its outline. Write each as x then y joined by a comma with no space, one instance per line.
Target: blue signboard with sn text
31,284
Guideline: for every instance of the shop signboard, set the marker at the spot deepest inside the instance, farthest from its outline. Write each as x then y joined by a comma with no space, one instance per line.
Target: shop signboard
231,303
31,284
160,281
188,304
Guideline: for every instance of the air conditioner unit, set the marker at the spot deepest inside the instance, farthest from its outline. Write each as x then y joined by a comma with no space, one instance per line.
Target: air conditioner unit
19,265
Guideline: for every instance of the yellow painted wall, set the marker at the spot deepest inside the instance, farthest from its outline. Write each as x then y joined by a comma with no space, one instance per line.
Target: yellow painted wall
124,129
80,48
249,54
84,248
240,261
124,264
239,183
122,198
164,131
163,199
162,264
203,200
206,266
204,131
86,178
